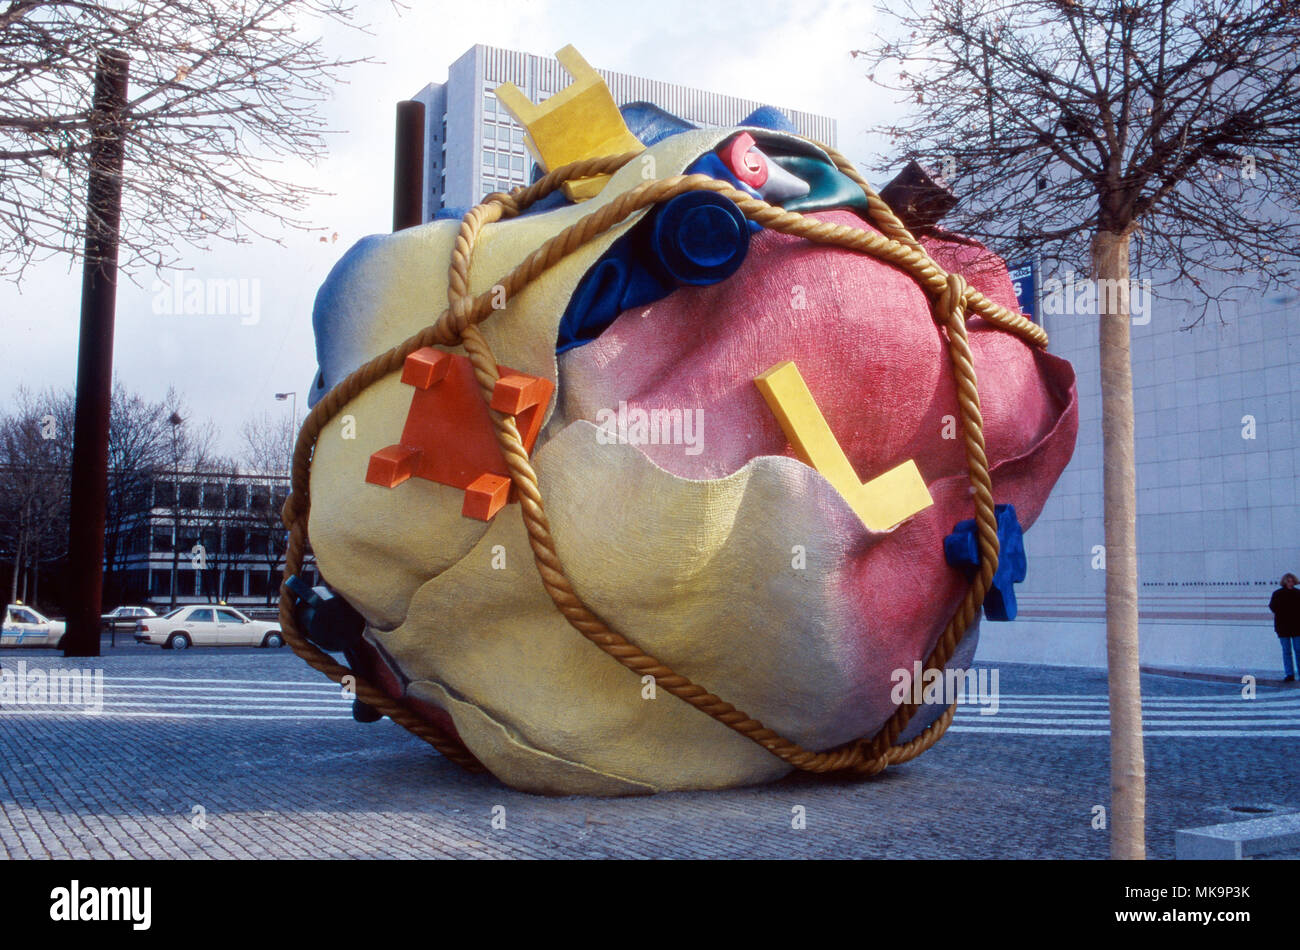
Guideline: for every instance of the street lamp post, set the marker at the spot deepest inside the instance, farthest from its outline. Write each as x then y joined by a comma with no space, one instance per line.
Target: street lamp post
281,397
175,421
288,458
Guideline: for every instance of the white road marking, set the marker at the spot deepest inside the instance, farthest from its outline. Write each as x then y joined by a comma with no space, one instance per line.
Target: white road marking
46,711
1147,733
1220,715
1271,715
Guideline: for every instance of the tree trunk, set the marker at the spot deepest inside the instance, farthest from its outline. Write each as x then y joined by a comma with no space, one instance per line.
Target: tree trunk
176,540
1110,259
18,566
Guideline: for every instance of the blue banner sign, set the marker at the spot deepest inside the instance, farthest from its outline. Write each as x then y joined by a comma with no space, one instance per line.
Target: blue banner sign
1024,278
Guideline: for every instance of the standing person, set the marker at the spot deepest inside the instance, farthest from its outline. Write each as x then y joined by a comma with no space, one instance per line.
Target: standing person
1285,604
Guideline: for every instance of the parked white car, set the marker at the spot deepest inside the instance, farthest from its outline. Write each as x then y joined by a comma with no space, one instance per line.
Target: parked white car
25,627
207,625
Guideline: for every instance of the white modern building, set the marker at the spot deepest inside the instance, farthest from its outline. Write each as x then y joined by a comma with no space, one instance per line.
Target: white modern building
473,147
1217,410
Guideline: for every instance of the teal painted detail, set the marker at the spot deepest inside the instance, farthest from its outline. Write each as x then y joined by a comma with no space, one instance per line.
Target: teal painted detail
828,186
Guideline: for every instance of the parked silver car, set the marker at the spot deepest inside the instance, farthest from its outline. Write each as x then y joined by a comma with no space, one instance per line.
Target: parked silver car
124,618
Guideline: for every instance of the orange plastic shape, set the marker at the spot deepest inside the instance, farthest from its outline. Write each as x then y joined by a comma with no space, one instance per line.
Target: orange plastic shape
449,437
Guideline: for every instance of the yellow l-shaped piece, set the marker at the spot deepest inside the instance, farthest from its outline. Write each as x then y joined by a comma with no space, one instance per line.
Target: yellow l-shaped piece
880,503
578,122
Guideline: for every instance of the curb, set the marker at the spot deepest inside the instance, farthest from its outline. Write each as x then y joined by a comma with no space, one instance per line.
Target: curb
1216,676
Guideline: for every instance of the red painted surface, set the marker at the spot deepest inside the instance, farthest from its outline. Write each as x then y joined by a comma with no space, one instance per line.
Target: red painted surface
449,436
750,167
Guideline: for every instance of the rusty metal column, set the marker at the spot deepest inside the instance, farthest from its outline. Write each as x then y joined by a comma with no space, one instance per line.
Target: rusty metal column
408,166
85,585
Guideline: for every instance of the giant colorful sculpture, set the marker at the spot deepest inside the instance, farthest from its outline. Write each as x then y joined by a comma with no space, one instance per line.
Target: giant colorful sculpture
653,474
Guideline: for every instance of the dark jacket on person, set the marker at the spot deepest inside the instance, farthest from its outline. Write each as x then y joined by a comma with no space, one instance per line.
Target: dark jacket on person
1285,604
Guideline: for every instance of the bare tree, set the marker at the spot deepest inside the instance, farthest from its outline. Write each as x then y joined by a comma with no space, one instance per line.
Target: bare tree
214,557
268,456
222,93
189,449
138,449
35,459
1068,129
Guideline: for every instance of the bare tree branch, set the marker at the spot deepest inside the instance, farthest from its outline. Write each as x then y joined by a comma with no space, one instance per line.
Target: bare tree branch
1177,120
221,94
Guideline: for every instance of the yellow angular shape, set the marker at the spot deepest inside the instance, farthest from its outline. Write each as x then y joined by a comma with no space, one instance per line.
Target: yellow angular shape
580,121
881,503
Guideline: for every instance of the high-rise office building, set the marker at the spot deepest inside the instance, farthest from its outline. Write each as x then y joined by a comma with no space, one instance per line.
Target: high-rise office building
473,146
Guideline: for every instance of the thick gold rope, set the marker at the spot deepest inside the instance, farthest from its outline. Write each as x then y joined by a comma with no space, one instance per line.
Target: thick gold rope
952,298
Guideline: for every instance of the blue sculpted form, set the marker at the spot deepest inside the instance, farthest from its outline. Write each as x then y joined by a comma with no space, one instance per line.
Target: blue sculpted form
644,265
697,238
331,317
961,550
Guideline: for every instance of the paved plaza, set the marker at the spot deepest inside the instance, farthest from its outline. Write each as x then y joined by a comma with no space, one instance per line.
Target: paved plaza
250,754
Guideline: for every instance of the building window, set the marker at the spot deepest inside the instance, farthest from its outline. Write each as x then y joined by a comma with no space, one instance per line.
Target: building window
164,493
490,104
237,497
189,495
214,499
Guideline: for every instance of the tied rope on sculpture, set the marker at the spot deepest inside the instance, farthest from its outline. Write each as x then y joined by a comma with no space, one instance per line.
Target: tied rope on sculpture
951,300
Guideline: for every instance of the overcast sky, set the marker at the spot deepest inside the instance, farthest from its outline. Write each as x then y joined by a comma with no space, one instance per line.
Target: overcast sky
794,54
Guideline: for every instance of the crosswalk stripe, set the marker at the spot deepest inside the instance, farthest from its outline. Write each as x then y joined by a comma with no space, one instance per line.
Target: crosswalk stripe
1095,721
1147,733
317,683
974,711
1233,697
158,715
186,691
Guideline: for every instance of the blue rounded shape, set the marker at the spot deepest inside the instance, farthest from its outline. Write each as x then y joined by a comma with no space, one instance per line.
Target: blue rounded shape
707,236
700,238
769,117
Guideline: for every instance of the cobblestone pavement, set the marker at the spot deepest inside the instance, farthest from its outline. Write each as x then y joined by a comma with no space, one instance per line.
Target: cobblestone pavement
250,754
